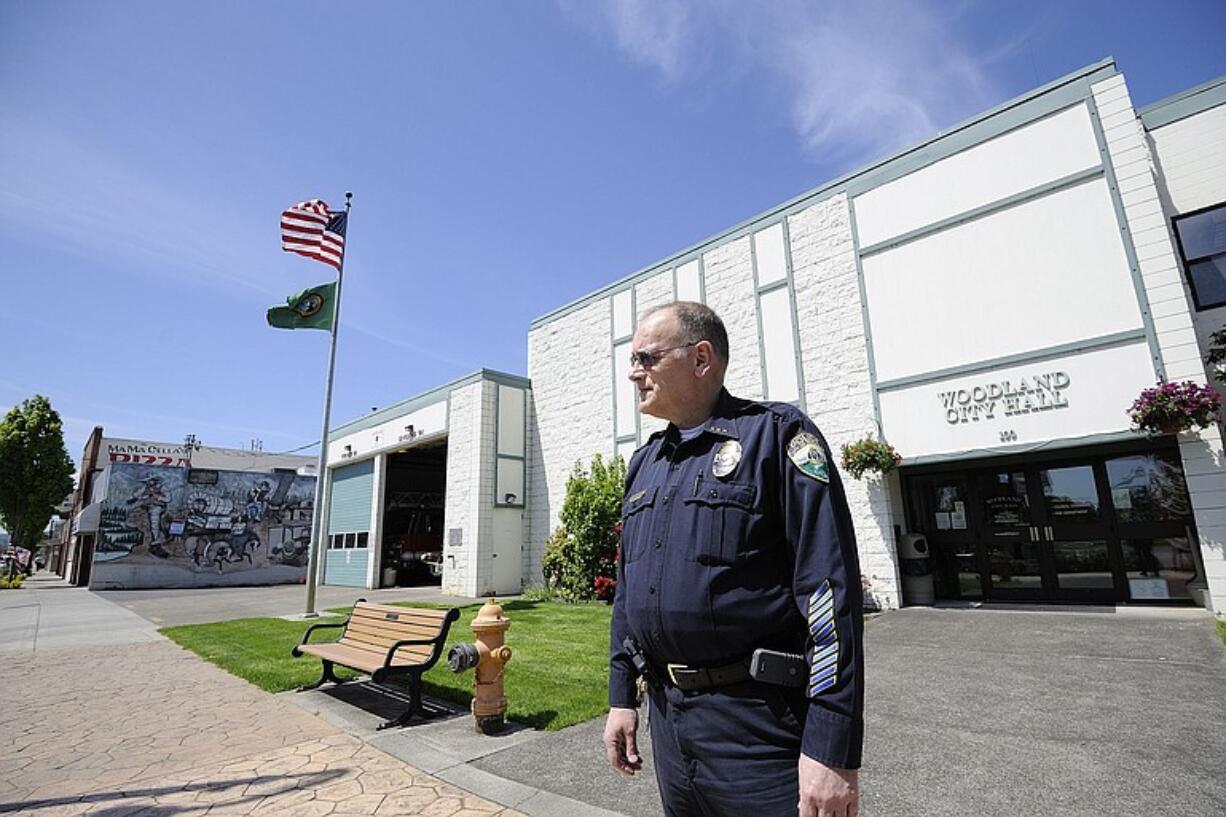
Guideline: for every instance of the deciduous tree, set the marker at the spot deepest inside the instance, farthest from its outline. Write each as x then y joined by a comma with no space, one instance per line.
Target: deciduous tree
35,469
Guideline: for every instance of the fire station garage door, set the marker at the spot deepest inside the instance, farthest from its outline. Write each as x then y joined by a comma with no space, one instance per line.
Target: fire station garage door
349,524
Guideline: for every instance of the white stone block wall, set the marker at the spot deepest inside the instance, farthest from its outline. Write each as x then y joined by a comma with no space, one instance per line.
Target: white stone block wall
728,273
570,411
654,291
571,407
469,481
1190,168
1169,300
838,391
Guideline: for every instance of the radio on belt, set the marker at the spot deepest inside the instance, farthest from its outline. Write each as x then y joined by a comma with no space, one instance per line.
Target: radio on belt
781,668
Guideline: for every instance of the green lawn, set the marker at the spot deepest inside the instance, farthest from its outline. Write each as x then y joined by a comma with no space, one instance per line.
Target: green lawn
1221,630
557,677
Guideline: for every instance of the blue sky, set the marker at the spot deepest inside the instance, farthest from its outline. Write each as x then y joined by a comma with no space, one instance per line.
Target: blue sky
506,158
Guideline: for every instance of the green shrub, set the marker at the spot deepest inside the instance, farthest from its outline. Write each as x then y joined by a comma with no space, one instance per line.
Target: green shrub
11,583
585,546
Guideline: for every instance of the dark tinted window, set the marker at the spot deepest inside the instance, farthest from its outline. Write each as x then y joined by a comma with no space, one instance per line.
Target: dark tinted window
1202,240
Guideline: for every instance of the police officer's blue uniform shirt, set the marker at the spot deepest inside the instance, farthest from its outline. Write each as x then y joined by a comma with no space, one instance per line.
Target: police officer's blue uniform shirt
717,561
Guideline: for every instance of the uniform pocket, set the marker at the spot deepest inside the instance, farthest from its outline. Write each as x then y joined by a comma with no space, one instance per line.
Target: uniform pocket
721,513
636,522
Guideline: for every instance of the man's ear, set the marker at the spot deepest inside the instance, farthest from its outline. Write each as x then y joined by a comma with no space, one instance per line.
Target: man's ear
704,358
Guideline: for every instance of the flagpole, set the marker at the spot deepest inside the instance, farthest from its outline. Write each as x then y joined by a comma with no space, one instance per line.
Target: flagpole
317,534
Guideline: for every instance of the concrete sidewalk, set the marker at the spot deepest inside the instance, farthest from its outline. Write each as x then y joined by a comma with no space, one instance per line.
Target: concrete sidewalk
140,726
49,614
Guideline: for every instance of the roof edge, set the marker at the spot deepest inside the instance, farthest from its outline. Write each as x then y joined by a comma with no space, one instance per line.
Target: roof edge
1187,103
437,394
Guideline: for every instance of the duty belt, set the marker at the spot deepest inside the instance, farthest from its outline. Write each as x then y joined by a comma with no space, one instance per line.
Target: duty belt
693,679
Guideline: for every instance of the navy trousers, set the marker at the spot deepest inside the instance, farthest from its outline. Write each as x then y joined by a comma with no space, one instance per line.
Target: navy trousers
727,752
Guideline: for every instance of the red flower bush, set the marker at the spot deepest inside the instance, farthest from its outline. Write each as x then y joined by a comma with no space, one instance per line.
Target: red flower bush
604,587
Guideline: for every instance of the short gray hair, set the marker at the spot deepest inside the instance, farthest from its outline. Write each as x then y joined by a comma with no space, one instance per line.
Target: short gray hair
697,322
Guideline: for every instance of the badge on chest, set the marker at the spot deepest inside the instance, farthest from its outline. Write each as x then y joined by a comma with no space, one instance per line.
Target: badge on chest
726,459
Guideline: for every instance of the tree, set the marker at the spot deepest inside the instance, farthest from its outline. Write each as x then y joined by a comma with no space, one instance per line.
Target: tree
584,548
1216,360
35,470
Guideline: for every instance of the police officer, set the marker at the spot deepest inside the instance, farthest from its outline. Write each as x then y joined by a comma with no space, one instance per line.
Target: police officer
735,537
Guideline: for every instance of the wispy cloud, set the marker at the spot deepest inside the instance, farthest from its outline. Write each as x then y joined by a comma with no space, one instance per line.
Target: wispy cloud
861,79
61,190
58,189
658,33
11,393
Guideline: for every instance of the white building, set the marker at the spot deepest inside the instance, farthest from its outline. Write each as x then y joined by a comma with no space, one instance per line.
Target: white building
432,489
991,301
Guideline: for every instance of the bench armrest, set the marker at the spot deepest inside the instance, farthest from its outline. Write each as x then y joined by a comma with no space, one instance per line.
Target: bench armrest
408,642
313,628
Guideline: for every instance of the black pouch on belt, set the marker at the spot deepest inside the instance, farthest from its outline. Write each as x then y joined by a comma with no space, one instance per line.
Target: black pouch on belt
782,668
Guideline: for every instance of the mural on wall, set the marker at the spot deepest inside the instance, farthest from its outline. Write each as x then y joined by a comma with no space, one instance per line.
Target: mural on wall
165,526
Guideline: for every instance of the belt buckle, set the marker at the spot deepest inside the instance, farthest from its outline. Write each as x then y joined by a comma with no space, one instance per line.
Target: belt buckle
688,678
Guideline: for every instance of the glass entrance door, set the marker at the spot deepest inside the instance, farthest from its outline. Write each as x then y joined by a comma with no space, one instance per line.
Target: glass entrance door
1017,564
1046,536
1153,520
1106,528
1084,561
944,505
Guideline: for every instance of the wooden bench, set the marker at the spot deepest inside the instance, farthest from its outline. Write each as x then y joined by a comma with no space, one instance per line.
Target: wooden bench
386,642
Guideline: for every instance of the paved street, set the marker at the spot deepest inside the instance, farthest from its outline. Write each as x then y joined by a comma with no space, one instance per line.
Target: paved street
147,728
170,607
1075,712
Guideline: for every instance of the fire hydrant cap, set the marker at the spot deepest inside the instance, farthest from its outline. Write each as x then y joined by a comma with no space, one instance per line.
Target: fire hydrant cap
489,617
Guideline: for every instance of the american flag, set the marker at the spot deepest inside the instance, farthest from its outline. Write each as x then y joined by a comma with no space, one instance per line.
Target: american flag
309,228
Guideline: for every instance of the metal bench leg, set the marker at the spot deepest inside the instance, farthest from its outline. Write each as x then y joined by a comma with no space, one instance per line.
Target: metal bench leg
415,706
327,676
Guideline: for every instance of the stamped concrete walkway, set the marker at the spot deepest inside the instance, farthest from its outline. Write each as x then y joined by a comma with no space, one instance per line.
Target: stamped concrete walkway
146,728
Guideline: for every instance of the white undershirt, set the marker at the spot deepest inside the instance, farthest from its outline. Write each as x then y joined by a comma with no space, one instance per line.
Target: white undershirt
691,433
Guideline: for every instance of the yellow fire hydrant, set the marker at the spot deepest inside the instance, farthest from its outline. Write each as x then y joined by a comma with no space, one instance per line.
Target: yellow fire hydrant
490,656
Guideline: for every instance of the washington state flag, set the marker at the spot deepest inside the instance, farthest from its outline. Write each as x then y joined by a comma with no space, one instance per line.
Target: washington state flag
310,309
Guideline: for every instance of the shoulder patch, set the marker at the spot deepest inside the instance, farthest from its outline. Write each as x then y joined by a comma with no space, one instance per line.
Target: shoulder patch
805,452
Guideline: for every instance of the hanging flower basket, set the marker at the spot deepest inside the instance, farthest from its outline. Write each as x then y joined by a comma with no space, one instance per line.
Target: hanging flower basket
868,455
1169,408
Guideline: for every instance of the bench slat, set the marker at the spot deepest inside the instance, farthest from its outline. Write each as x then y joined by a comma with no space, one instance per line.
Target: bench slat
401,620
382,645
411,655
358,658
393,631
390,608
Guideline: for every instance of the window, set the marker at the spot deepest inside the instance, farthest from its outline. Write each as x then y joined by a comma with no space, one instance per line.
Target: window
1202,242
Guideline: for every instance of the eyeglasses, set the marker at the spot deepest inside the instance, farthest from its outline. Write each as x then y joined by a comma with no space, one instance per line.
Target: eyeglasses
649,359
